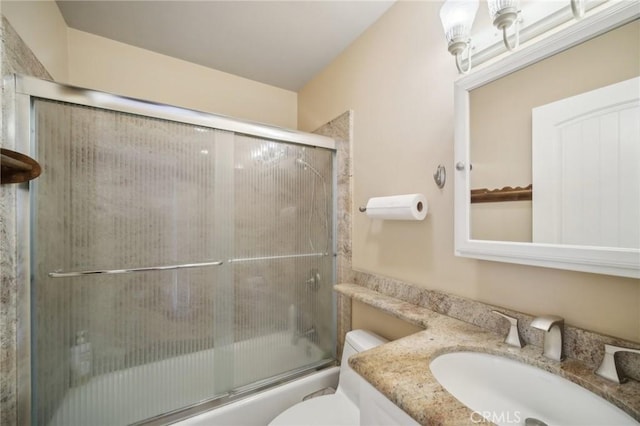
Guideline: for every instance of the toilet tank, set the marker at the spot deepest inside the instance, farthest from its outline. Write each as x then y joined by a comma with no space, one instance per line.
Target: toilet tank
356,341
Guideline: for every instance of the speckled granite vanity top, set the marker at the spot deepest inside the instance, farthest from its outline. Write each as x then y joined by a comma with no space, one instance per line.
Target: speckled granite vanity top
400,369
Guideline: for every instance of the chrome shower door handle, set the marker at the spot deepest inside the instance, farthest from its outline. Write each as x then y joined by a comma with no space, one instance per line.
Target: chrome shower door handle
59,274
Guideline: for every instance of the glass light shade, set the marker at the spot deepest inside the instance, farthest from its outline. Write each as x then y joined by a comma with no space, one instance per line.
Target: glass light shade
501,7
457,18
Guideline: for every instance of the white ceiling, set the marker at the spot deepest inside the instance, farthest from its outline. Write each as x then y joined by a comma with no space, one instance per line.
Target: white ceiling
282,43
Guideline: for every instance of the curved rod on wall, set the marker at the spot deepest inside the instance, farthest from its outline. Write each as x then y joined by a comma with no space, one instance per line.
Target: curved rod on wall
516,35
461,69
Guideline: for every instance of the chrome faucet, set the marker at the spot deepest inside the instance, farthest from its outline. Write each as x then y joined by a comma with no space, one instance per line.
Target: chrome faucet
553,338
314,281
608,369
513,338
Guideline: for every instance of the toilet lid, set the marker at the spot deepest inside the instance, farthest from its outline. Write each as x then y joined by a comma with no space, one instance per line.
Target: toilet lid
333,410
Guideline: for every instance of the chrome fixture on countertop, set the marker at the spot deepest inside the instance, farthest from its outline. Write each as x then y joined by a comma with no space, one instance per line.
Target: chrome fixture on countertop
554,327
608,368
513,337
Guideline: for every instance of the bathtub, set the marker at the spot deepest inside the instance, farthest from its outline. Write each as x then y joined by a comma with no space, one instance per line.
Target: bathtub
261,408
143,392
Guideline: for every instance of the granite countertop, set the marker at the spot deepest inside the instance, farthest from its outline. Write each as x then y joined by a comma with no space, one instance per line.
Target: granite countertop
400,369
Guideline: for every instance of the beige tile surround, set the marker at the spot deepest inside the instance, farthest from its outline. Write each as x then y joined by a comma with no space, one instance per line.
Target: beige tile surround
16,58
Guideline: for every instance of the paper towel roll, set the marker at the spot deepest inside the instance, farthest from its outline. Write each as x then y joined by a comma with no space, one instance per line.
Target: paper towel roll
398,207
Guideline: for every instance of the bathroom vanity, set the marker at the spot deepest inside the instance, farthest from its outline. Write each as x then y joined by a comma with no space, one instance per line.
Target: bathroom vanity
400,369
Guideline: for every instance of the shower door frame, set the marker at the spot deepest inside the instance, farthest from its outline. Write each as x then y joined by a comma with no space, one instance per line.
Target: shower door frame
19,123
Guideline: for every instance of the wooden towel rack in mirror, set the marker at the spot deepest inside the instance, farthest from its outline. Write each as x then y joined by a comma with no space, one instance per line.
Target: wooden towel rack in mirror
485,195
17,168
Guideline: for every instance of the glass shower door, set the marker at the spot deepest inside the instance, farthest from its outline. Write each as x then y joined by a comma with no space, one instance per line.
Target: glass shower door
121,192
283,258
171,264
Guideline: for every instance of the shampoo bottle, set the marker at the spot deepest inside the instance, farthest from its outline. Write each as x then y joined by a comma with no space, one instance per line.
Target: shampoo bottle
81,359
292,323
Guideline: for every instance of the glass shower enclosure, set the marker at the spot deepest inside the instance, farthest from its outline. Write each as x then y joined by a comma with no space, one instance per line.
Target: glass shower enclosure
176,258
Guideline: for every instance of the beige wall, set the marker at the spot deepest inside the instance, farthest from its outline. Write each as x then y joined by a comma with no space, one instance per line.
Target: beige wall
86,60
103,64
385,325
398,78
43,29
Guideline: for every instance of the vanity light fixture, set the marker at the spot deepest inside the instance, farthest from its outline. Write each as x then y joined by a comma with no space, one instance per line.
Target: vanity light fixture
504,14
457,17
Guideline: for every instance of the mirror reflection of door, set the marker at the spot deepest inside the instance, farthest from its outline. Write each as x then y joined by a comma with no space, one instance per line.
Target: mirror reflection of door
500,126
586,173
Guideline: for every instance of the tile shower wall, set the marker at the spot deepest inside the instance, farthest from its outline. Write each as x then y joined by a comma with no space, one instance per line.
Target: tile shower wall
16,58
341,130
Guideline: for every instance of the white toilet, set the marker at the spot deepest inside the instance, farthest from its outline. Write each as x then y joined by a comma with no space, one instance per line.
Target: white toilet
341,408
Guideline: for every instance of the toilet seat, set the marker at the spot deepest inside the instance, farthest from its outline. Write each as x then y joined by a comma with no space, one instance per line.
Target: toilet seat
327,410
341,408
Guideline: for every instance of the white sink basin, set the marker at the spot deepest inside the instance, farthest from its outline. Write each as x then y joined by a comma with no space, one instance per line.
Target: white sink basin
508,392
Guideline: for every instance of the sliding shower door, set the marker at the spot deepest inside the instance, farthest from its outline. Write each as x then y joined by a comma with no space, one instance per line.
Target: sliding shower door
171,264
282,261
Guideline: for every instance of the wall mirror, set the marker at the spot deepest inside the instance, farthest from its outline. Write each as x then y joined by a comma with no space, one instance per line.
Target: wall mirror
547,148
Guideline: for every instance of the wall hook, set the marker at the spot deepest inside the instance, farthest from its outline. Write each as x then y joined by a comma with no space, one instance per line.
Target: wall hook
440,176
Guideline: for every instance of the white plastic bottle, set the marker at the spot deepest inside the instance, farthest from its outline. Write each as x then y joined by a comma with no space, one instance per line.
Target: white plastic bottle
81,359
292,323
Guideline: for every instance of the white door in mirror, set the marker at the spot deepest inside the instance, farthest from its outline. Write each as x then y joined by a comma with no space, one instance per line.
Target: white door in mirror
624,262
586,180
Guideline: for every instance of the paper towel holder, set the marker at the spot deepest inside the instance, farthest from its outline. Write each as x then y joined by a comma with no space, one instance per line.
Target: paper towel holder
421,205
440,176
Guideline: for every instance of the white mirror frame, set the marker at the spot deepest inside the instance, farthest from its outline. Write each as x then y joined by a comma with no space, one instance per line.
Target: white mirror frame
601,260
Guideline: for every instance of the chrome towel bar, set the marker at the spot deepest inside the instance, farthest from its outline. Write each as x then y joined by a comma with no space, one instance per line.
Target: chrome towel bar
59,274
287,256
